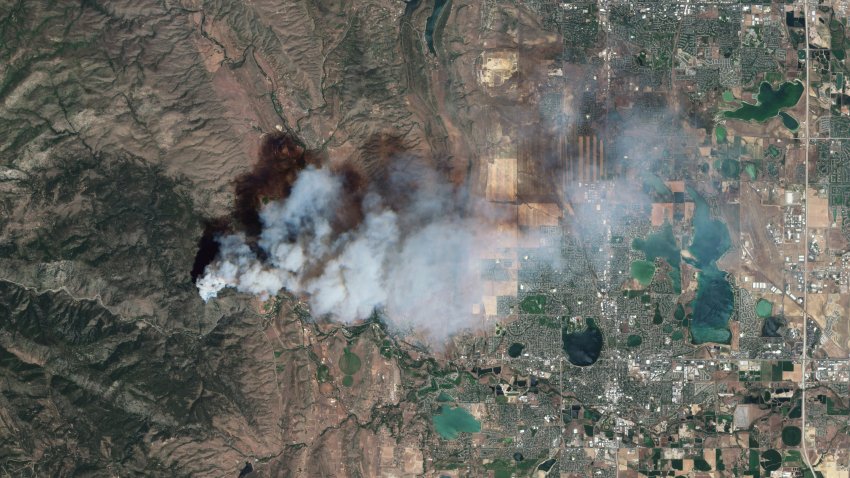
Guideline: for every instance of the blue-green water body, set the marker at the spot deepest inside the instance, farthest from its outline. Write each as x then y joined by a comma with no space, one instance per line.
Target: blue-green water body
764,308
769,102
431,24
451,421
653,183
714,300
789,121
642,271
663,244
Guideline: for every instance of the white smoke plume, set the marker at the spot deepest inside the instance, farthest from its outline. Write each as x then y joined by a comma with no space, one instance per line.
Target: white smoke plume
417,263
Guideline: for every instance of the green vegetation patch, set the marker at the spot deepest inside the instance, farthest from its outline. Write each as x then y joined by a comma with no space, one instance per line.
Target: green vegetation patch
754,463
837,43
657,318
348,380
773,151
634,341
751,170
349,363
797,411
500,468
549,322
720,133
679,314
506,469
533,304
791,435
701,465
775,373
323,373
771,460
792,457
729,168
833,409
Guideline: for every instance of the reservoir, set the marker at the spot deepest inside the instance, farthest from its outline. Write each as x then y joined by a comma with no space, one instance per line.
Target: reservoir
643,271
714,300
789,121
451,421
583,347
769,102
431,24
659,244
764,308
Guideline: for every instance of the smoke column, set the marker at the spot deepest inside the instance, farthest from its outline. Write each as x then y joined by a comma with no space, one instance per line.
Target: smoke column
412,254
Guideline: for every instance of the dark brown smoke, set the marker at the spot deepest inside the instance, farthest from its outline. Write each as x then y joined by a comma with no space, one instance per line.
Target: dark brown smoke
349,213
393,169
384,163
281,158
379,152
208,246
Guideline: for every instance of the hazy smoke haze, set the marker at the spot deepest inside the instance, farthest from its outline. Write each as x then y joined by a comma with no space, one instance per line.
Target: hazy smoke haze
413,256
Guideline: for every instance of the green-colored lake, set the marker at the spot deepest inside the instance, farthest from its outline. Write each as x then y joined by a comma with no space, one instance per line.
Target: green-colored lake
515,350
452,421
789,121
662,244
771,327
583,347
714,299
642,271
711,238
444,397
768,102
764,308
